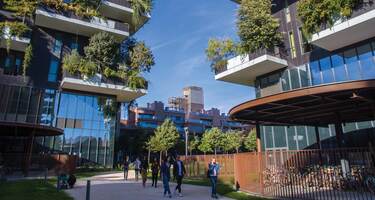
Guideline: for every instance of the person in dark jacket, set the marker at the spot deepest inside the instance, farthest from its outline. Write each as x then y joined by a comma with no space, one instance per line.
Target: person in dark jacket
144,169
166,175
179,173
126,168
213,173
155,172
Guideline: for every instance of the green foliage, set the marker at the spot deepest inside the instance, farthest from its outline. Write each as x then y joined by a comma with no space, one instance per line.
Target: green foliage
219,51
22,8
315,13
166,137
140,57
27,59
193,144
72,62
212,140
135,80
257,28
102,50
88,68
233,141
250,141
140,8
8,30
83,8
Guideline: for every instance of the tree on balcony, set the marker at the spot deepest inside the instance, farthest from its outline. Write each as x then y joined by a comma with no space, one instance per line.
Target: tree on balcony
11,29
315,13
140,8
102,56
257,28
21,8
219,51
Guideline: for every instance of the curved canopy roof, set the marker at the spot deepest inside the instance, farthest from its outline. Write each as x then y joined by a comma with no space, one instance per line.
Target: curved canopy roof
317,106
27,129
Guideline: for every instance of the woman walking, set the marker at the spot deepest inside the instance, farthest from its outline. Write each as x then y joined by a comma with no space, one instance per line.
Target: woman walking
155,172
166,174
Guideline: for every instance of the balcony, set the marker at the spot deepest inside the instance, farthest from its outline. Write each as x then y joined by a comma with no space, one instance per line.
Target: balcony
16,43
348,31
116,9
101,85
243,70
68,22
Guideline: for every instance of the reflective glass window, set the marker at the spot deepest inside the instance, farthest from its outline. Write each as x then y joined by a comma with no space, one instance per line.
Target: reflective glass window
268,135
294,77
52,74
301,137
57,46
367,61
279,135
304,76
292,142
325,67
339,67
352,64
315,73
285,80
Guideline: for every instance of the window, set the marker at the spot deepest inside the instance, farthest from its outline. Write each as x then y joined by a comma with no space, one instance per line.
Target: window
57,46
53,66
74,45
315,73
293,51
287,12
303,73
285,81
305,45
294,78
352,65
367,61
18,66
325,67
339,67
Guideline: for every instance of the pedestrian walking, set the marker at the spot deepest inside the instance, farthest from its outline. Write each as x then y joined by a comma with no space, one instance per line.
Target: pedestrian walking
137,167
166,175
144,169
126,168
212,173
155,172
179,173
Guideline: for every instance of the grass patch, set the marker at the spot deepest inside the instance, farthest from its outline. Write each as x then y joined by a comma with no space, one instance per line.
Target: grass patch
31,190
223,189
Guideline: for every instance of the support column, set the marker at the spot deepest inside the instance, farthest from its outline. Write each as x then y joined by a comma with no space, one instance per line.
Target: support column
29,153
339,134
259,144
317,136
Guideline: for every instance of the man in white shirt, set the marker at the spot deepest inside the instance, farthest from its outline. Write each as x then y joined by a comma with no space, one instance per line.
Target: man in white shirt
137,167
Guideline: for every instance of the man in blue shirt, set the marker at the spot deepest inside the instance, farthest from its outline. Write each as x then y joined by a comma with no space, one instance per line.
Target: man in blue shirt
178,172
213,172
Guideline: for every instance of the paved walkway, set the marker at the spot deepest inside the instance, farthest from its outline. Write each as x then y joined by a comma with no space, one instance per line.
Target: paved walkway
109,187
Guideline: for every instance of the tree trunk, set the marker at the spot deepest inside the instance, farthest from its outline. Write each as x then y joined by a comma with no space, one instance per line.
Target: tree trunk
160,158
215,152
236,150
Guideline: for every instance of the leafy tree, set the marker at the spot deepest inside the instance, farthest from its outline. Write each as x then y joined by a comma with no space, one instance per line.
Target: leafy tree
212,140
140,8
193,144
250,141
219,51
233,141
167,135
102,50
315,13
257,28
72,62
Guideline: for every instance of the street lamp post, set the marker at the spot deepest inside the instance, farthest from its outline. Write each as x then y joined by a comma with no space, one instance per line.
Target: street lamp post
186,129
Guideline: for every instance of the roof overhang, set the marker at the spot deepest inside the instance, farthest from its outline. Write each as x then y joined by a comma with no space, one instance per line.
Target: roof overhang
27,129
319,105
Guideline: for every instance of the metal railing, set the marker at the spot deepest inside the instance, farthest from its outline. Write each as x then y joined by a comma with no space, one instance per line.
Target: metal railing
305,174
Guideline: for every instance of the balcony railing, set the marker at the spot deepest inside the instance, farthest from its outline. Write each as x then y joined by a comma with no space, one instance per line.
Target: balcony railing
123,3
102,85
347,31
87,26
277,52
16,43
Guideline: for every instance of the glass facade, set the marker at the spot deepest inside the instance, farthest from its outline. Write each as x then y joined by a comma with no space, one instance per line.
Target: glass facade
356,63
88,121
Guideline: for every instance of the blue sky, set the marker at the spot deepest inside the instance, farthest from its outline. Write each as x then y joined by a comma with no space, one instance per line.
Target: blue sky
178,34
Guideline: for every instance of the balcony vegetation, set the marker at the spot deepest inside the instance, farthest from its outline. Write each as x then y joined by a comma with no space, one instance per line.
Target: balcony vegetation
82,8
102,56
316,13
10,30
256,28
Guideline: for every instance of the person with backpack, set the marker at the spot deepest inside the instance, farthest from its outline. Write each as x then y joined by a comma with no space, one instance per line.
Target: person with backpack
212,173
178,172
166,175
